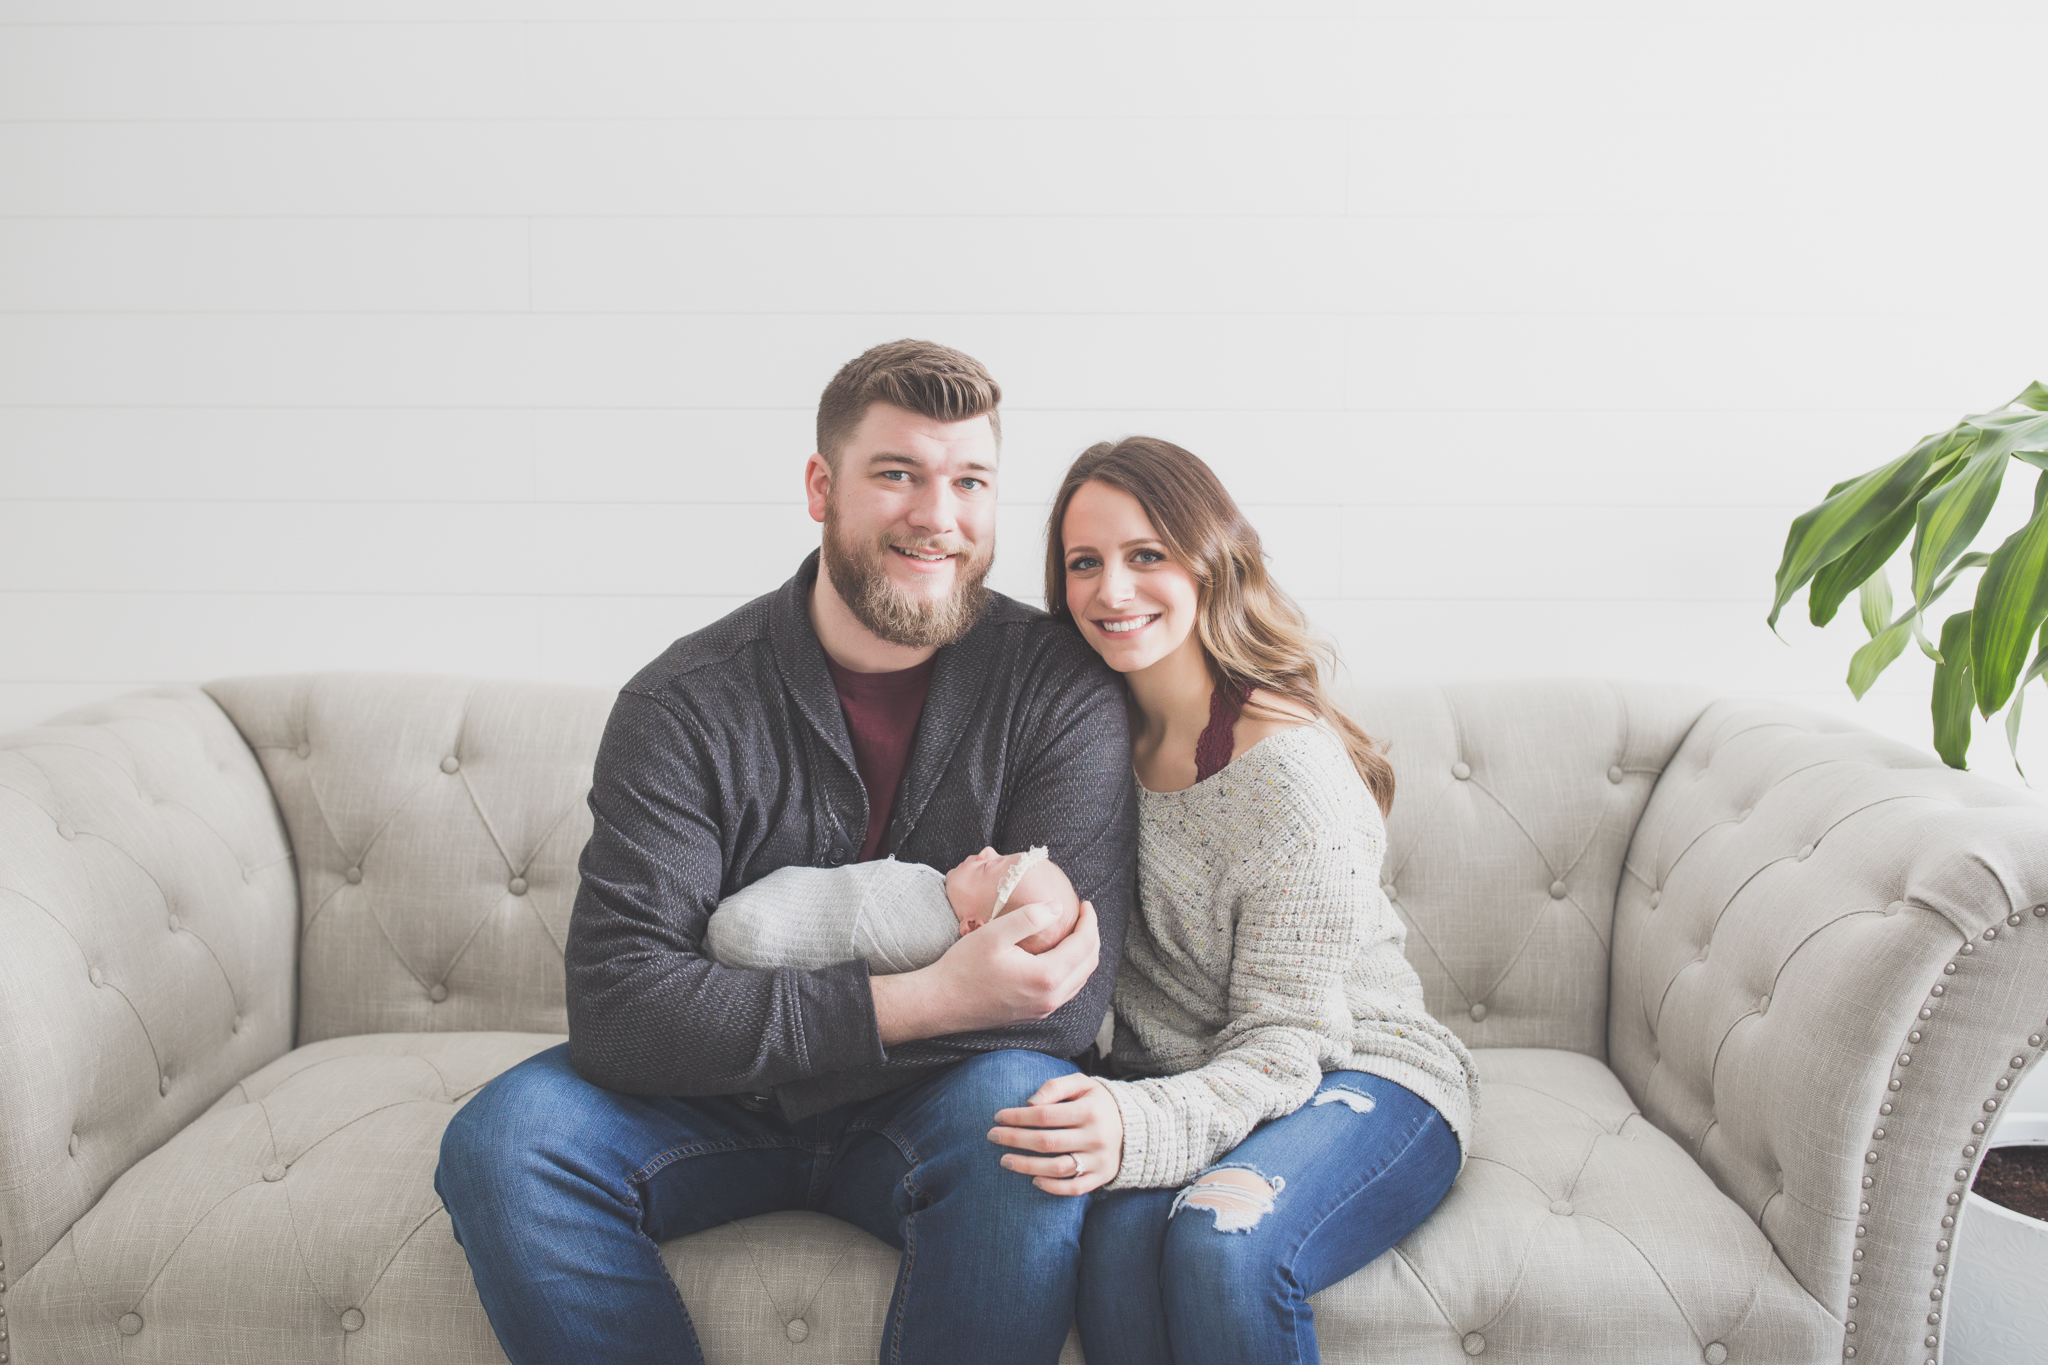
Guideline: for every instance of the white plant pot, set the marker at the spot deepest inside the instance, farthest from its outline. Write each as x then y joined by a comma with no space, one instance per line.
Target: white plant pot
1997,1305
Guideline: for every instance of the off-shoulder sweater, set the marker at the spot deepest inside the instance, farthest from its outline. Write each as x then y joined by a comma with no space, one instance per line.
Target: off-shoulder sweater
1263,955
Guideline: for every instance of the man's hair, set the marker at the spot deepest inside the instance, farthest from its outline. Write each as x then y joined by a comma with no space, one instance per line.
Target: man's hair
927,378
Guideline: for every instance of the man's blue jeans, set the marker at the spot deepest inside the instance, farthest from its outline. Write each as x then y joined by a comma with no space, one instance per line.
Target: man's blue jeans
1177,1277
560,1192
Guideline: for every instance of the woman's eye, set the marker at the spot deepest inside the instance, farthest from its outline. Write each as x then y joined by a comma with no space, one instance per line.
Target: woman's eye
1148,557
1084,564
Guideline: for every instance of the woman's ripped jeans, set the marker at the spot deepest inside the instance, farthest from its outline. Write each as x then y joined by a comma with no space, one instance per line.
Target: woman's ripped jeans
1222,1269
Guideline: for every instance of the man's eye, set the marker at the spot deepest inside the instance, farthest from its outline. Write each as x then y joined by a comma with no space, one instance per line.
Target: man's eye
973,485
896,475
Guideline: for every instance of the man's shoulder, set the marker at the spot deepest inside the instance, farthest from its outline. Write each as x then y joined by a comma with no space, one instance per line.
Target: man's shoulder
1024,637
728,646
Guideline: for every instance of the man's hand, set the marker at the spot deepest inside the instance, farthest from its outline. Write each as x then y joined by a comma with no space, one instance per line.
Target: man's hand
986,981
1073,1128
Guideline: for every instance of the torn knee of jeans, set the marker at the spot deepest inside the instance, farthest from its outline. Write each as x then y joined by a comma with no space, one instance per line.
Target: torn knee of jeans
1238,1196
1350,1096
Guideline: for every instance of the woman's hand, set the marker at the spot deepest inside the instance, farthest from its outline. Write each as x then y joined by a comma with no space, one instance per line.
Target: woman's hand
1072,1118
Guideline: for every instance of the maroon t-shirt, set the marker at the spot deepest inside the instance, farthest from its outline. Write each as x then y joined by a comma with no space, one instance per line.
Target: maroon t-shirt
881,719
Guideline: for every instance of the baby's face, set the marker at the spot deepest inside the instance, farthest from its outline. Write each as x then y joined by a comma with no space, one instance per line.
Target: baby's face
971,890
971,887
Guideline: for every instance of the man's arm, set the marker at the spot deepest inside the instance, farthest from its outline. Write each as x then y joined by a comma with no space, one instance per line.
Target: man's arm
649,1012
1072,792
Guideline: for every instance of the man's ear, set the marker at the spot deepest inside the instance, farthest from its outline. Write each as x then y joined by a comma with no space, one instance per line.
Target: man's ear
817,485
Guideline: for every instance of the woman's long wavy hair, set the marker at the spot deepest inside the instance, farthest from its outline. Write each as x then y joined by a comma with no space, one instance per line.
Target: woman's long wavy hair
1253,635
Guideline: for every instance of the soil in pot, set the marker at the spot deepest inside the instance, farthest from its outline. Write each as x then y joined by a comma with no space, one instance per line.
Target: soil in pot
2015,1177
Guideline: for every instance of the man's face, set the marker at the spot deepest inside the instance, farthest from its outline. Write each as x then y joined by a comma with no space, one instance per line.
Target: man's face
909,523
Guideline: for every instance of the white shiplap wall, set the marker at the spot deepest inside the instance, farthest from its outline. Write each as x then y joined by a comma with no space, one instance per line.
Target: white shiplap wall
484,338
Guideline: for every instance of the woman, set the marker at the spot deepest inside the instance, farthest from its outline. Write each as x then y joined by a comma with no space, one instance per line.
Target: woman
1284,1109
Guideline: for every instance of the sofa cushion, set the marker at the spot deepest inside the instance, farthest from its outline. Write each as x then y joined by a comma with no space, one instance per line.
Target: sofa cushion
305,1195
436,824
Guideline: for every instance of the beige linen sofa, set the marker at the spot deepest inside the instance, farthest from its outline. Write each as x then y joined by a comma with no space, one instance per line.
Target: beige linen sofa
1747,986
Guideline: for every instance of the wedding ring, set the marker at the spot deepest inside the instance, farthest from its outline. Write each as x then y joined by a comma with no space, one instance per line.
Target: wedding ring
1074,1157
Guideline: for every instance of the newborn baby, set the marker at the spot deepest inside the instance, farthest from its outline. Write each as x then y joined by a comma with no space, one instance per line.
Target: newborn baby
899,916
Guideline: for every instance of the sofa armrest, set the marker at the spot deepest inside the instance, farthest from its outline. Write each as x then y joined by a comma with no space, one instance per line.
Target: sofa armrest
1830,967
148,937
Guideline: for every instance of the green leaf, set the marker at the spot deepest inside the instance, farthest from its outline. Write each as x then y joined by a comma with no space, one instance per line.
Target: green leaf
2012,602
1875,598
2019,696
1950,517
1953,695
1926,646
2036,397
1823,534
1840,578
1874,658
2012,732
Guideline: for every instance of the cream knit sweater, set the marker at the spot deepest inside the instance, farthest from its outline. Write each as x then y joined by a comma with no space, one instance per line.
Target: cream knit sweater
1263,955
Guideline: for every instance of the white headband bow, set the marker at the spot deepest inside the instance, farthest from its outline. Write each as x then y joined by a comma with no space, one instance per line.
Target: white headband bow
1026,860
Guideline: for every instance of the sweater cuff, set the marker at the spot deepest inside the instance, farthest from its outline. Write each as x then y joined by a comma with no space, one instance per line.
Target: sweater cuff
836,1019
1153,1141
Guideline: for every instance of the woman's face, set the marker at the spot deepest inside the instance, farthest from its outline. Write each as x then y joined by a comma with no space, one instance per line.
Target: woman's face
1129,597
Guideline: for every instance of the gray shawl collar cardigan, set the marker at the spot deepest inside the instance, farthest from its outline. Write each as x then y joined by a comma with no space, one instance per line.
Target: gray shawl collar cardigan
727,758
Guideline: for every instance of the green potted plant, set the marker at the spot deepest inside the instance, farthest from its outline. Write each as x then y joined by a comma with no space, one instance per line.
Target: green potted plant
1939,492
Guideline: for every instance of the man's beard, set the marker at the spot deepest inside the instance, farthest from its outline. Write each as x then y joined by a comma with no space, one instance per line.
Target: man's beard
861,575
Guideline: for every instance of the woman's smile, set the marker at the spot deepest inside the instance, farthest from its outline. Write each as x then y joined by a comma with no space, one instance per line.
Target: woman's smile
1126,625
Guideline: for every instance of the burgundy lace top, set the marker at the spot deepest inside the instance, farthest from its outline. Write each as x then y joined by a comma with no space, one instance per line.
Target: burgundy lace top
1212,750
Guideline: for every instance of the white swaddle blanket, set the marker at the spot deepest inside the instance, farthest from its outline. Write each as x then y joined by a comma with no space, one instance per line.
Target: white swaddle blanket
895,915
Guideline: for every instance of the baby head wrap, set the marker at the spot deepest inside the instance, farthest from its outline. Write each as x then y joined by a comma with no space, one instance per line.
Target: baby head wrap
1026,860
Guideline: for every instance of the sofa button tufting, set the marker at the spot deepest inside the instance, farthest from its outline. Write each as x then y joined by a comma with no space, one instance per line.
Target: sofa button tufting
1715,1354
305,749
1461,771
1474,1344
236,1026
1805,852
1478,1013
517,886
130,1324
65,831
1744,814
1561,1207
354,876
352,1320
1615,774
176,924
1656,899
1557,890
96,976
163,1085
1763,1004
451,764
72,1146
797,1330
438,993
273,1173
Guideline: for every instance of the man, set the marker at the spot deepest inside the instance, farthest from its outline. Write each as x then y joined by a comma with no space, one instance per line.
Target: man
881,702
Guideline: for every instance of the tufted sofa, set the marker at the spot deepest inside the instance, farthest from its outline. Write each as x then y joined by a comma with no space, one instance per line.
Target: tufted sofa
1747,987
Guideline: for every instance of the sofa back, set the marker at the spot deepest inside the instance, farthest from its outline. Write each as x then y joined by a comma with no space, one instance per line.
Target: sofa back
147,945
436,823
1513,809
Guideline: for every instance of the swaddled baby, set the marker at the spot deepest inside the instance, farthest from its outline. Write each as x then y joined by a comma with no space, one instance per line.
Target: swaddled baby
899,916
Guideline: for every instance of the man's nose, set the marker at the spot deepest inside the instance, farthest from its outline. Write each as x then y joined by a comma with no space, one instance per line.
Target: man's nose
935,509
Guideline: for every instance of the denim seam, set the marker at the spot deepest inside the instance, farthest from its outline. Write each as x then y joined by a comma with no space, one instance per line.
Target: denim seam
1287,1265
675,1154
909,1267
654,1250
